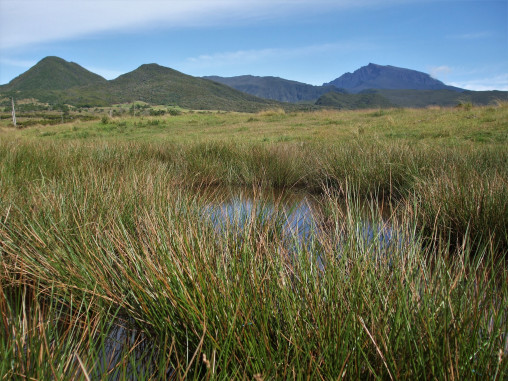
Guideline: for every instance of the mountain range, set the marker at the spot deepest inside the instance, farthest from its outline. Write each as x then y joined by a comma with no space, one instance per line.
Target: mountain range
56,81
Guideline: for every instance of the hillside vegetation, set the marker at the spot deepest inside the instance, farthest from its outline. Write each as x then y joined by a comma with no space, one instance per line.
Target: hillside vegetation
446,98
156,84
354,101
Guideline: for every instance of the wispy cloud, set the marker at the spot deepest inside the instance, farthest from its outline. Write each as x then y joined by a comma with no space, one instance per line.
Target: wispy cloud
24,22
25,64
498,82
471,36
437,71
238,57
233,58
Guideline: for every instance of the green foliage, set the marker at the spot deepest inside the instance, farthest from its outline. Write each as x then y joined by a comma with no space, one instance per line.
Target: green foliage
353,101
465,106
174,112
157,112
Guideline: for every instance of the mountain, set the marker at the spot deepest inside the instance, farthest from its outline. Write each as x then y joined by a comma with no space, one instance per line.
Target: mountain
156,84
375,76
53,73
279,89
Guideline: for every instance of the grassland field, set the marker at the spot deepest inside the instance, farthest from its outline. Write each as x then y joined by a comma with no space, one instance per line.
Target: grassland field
101,227
448,126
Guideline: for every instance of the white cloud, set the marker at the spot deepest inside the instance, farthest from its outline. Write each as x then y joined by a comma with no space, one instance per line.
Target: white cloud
437,71
229,58
25,64
24,22
498,82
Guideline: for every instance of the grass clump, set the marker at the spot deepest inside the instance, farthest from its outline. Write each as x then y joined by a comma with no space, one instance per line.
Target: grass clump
272,112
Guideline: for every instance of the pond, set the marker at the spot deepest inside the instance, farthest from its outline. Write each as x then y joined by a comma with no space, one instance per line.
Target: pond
301,218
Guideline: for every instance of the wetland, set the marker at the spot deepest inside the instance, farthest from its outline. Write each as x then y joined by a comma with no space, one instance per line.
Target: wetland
355,244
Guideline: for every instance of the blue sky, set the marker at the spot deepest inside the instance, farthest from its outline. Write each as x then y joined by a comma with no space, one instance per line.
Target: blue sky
461,42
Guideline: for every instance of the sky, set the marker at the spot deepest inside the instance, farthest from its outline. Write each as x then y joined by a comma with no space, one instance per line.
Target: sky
463,43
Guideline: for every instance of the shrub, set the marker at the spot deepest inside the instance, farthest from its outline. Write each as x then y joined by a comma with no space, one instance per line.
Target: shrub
174,112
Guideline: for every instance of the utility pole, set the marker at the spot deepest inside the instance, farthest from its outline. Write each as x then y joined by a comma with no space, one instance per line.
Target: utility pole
13,113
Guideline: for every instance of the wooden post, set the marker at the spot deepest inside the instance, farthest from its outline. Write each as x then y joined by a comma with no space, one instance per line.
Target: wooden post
13,113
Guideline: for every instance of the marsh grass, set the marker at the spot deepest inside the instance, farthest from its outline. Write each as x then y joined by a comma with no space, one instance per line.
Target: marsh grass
239,303
97,235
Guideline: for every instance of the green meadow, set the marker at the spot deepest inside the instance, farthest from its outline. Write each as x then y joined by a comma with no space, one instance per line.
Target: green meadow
116,262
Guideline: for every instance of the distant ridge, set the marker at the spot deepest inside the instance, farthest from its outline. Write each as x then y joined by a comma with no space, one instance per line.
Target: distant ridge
279,89
375,76
53,73
56,81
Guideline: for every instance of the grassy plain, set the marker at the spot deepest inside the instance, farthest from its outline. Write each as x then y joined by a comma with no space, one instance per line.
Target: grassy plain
442,126
101,226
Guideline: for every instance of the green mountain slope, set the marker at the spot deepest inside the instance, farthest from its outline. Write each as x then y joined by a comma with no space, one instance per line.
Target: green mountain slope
156,84
424,98
275,88
53,73
353,101
409,98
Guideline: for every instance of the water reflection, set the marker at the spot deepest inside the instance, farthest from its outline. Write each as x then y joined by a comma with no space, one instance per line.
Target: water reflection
291,213
126,353
301,218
